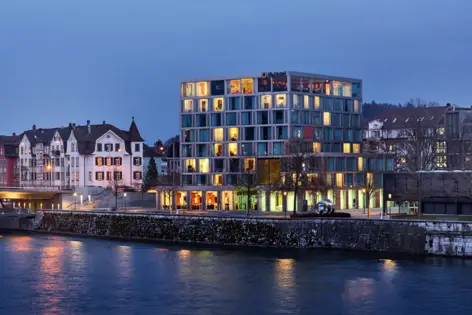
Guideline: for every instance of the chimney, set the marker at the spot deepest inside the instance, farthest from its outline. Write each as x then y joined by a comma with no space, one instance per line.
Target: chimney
104,122
89,128
14,134
34,128
73,126
70,126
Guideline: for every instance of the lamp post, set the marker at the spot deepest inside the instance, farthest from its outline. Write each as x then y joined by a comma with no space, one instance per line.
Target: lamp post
125,200
75,201
284,204
390,205
364,192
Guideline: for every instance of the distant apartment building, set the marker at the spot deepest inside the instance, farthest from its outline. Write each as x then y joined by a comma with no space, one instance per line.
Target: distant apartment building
235,124
81,156
422,138
8,160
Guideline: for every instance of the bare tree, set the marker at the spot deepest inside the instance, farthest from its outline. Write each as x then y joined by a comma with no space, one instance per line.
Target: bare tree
370,189
116,184
301,170
247,185
167,185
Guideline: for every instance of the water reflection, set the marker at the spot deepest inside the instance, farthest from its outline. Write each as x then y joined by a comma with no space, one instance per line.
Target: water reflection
21,243
286,289
51,285
125,261
359,291
285,273
183,256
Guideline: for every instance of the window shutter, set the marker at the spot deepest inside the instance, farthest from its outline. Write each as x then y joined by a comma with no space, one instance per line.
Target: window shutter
96,175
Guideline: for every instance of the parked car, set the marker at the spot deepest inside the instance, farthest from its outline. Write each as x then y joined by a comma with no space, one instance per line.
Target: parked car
325,207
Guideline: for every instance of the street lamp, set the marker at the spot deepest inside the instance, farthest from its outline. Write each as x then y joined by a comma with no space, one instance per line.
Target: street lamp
364,192
284,204
75,201
125,200
390,203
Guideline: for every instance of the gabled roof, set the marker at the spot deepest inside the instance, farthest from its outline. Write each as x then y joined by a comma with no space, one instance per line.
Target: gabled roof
10,145
405,117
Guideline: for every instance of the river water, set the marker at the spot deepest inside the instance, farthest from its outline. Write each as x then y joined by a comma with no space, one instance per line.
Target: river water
44,274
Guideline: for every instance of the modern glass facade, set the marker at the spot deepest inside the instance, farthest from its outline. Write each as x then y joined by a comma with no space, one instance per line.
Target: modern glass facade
228,123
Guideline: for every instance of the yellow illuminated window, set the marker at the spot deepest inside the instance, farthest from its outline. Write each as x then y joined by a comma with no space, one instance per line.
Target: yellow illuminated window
266,101
360,164
356,106
337,88
327,87
316,147
233,134
188,105
218,104
204,165
317,102
218,179
347,89
347,148
339,179
189,165
370,179
356,148
326,118
188,89
235,86
281,100
218,134
249,164
203,105
306,102
218,149
202,89
233,149
248,86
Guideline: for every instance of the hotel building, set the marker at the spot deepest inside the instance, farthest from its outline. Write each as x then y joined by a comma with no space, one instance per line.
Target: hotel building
234,124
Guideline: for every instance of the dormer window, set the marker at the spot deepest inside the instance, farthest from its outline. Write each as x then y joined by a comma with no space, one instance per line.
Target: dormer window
108,147
99,147
137,147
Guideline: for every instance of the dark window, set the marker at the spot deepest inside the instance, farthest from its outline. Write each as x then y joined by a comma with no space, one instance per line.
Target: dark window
336,147
338,134
316,116
265,133
234,165
201,120
356,90
137,147
219,165
278,117
246,118
117,175
117,147
338,105
186,121
263,85
137,175
234,103
340,164
217,87
108,147
249,133
117,161
137,161
262,118
216,119
99,147
231,119
249,102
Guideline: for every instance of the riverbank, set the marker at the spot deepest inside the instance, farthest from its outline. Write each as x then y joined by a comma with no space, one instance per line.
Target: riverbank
389,236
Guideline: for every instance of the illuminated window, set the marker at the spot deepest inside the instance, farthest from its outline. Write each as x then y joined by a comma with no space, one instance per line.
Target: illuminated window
235,86
188,89
204,165
203,105
316,147
218,149
249,164
356,148
337,88
326,118
189,165
265,101
99,175
339,179
233,149
347,89
360,164
218,134
248,86
441,131
347,148
317,102
188,105
233,134
356,106
327,88
218,104
281,100
108,161
218,179
202,89
306,102
370,179
296,101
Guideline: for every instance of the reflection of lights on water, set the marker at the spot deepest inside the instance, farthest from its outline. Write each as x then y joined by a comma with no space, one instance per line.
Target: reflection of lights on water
184,254
21,243
359,289
125,260
1,236
389,265
184,262
285,272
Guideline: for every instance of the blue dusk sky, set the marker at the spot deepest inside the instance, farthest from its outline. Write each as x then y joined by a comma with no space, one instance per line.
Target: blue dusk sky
69,61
